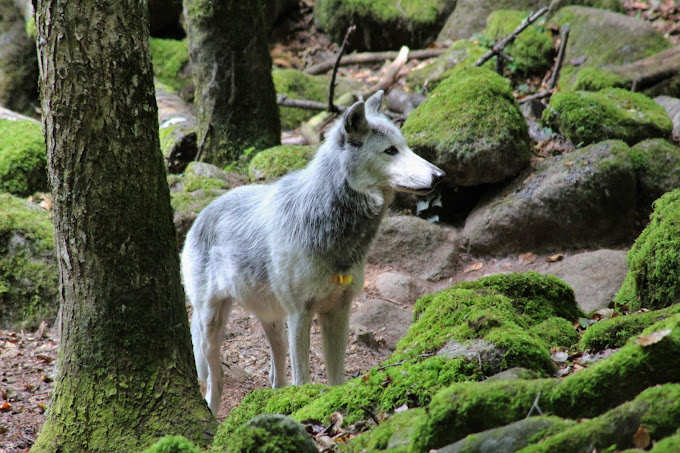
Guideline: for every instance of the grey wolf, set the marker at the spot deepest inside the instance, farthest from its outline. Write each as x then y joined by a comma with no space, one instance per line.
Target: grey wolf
298,247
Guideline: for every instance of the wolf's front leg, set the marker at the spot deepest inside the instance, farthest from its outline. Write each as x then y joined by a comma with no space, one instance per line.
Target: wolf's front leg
334,338
299,327
276,336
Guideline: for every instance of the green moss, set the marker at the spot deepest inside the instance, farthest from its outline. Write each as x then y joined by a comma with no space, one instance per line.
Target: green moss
658,168
173,444
556,332
654,260
595,79
383,24
466,408
31,31
392,434
538,296
298,85
471,128
268,433
584,117
462,54
279,160
23,157
169,58
285,400
29,279
670,444
614,332
531,51
655,409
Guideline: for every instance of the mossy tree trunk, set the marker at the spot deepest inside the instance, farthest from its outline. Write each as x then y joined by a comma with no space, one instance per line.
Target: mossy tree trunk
235,97
126,372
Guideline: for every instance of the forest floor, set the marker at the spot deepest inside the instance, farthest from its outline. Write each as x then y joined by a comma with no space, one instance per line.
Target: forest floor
27,358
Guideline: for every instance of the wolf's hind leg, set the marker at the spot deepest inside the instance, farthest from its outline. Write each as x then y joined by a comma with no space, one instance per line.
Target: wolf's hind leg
213,319
334,338
299,327
278,346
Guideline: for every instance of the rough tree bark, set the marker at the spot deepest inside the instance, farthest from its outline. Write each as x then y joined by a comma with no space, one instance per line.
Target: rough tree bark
126,372
235,97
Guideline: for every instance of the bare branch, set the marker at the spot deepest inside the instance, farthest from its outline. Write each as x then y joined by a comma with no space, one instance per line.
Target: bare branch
390,73
560,57
500,45
372,57
331,89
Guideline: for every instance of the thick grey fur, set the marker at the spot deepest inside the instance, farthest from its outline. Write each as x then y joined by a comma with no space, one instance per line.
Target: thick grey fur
276,248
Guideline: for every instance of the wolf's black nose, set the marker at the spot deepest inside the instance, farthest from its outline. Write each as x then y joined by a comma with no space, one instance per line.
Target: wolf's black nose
437,176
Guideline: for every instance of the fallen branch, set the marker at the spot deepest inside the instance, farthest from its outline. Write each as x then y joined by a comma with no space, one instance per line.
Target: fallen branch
390,73
284,101
331,90
372,57
500,45
555,72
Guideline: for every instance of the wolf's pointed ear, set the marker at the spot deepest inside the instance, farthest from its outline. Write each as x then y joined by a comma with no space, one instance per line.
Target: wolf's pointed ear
374,102
354,122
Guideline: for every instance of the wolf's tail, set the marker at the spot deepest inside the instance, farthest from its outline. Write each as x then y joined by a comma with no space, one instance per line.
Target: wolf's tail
197,340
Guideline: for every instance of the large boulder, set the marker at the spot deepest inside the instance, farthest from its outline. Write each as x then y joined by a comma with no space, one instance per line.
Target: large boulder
29,279
600,38
383,25
471,128
278,161
413,245
470,16
613,113
653,279
584,198
531,51
658,168
23,157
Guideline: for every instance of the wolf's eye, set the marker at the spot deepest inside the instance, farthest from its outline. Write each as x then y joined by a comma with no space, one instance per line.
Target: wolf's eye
391,151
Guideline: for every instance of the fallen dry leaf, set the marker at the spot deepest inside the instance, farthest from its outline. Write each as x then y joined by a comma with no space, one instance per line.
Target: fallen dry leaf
555,258
652,338
474,267
642,439
5,407
527,258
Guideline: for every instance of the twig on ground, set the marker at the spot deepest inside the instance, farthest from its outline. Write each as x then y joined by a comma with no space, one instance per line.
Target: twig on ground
560,57
331,90
555,72
372,57
284,101
500,45
535,406
403,361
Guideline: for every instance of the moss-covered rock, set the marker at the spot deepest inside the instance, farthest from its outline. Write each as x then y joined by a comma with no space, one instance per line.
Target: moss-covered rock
462,54
653,279
499,310
471,128
659,168
613,113
277,161
615,332
29,280
298,85
393,434
170,58
593,78
532,50
23,157
385,24
585,198
556,332
600,38
268,433
466,408
173,444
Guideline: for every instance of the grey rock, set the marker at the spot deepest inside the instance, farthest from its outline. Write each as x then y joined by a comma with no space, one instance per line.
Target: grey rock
672,106
413,245
377,320
475,350
594,276
586,198
512,374
399,287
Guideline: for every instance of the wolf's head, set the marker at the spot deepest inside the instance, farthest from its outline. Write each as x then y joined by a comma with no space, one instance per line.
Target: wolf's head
379,155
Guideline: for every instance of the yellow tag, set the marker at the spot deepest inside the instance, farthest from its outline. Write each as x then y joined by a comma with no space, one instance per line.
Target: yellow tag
340,279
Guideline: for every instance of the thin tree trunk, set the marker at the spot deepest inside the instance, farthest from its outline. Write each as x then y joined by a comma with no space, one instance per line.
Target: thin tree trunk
235,97
126,372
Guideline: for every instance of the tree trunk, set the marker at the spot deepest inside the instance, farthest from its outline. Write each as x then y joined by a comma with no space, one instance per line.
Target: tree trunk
126,372
235,97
